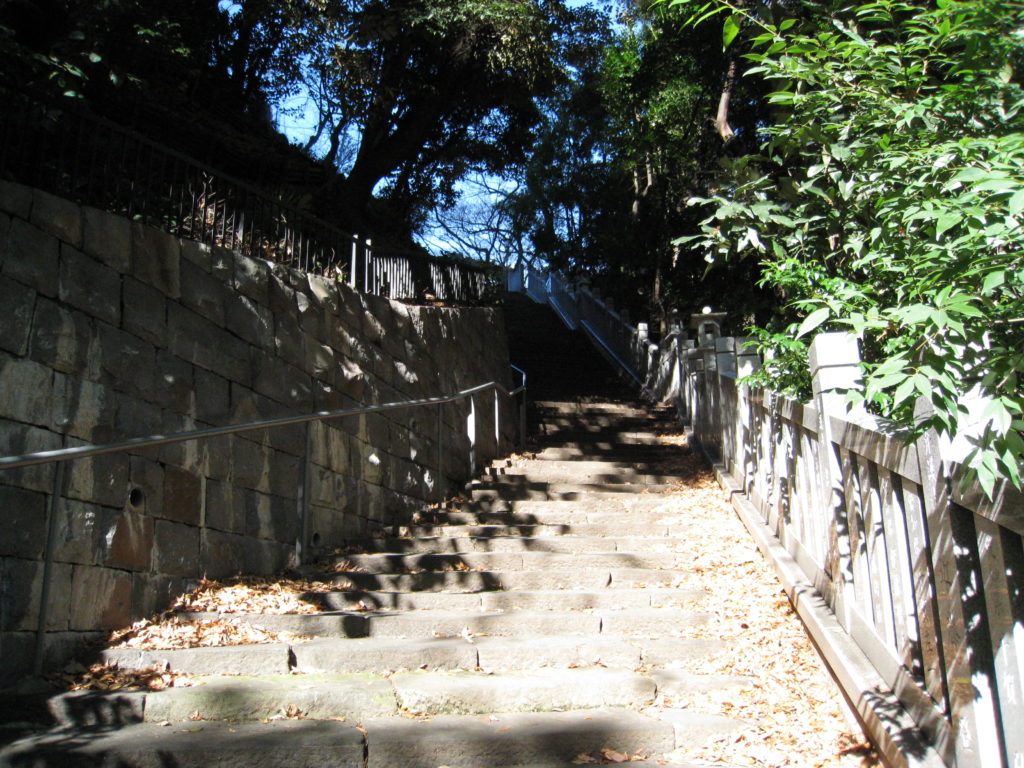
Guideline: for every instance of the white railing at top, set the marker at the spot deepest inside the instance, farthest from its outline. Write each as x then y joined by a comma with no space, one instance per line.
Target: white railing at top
657,372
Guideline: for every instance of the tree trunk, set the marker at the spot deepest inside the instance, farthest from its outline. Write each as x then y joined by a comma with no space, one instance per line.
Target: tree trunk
722,118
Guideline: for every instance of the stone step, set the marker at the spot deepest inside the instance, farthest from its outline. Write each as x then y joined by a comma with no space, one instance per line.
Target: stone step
481,581
635,454
506,561
562,473
651,529
381,655
492,652
245,698
511,489
517,740
551,740
569,406
641,622
643,507
511,541
543,600
276,744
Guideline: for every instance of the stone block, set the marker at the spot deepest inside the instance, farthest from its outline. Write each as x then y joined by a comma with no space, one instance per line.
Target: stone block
252,278
127,362
250,321
154,593
88,285
18,302
223,554
284,474
320,360
145,312
17,649
339,338
126,540
101,598
99,479
212,397
29,256
265,557
218,456
83,408
183,496
108,238
202,293
323,291
197,253
224,508
21,583
176,549
222,264
24,514
257,511
156,259
26,390
187,453
326,397
312,318
57,216
146,480
373,330
17,439
78,532
289,339
327,487
251,464
63,340
197,340
136,418
284,383
16,199
173,386
281,294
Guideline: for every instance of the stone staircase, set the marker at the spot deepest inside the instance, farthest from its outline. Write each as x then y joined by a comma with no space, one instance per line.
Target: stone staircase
535,622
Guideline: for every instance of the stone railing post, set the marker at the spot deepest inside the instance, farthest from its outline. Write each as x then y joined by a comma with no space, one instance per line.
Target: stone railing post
963,628
748,361
835,366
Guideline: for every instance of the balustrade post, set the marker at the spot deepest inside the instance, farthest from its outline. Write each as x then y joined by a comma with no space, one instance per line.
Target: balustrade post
748,361
835,366
964,647
48,554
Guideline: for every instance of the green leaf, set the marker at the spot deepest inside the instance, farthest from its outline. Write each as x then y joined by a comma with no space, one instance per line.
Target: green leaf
730,29
812,321
1016,204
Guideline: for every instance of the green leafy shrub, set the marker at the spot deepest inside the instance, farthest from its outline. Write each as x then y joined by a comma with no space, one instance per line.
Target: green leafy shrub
888,198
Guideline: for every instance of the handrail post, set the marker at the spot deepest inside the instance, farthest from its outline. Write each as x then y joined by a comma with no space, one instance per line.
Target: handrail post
303,492
497,425
440,455
48,553
471,434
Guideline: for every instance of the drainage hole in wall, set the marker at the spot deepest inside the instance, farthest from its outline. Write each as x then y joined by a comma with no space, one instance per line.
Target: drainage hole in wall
136,498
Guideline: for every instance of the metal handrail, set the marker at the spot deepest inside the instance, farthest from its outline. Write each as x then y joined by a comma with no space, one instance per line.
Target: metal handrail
61,456
88,451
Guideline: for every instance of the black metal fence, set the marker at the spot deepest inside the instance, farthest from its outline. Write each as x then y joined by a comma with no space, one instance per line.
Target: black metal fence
65,150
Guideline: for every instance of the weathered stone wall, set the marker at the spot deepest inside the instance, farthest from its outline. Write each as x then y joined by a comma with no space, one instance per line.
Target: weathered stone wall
111,330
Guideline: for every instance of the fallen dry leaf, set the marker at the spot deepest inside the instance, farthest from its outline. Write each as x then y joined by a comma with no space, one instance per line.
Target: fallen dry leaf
170,632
